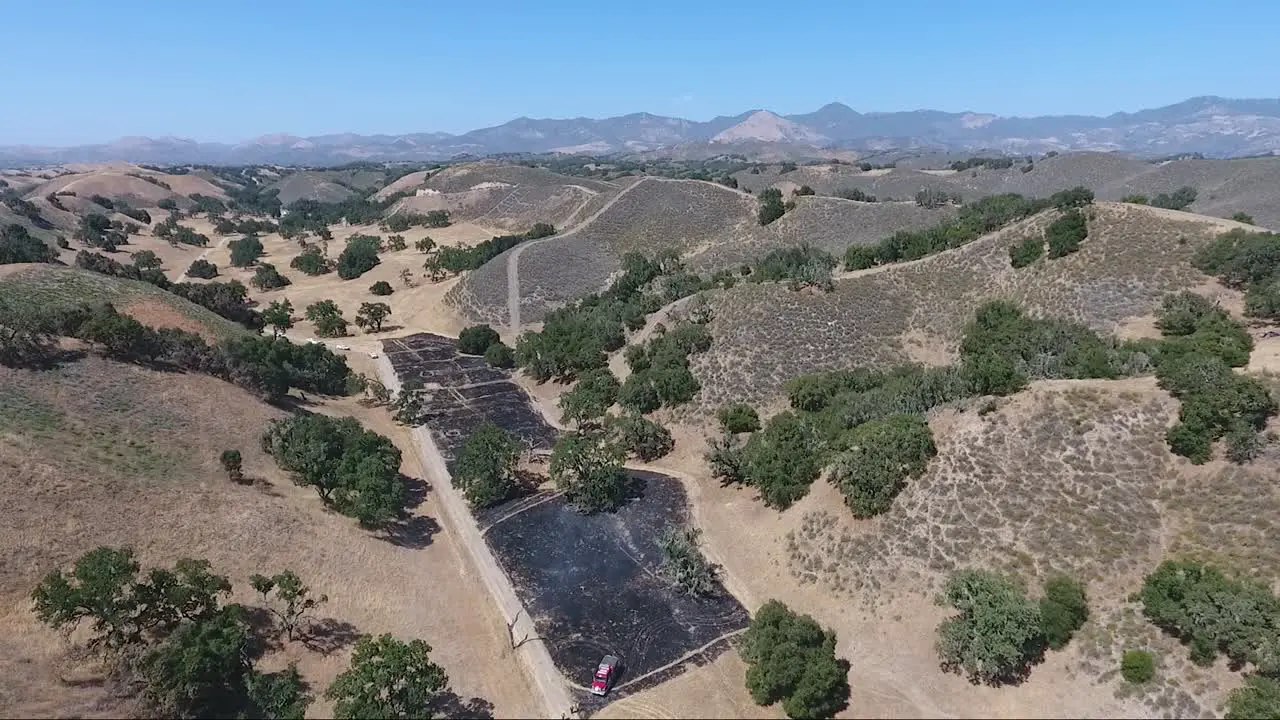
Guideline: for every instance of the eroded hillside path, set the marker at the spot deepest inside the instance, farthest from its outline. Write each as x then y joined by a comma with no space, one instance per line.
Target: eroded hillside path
513,260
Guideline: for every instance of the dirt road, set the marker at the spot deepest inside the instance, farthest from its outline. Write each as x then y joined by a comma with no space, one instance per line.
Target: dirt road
546,677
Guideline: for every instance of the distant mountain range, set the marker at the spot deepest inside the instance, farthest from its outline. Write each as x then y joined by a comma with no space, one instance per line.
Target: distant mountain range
1213,126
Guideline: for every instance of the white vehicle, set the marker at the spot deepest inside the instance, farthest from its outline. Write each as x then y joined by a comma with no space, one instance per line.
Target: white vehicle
313,341
373,355
343,347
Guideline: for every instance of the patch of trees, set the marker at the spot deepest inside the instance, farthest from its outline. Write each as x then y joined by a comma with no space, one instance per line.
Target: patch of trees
476,339
739,418
254,199
998,633
802,266
791,659
1194,363
638,436
586,465
354,471
590,398
12,200
96,230
1026,252
1215,614
1065,234
485,470
229,300
138,214
402,221
267,277
327,318
994,163
359,256
311,261
203,269
388,678
1259,697
313,216
1179,199
102,202
1243,217
168,634
771,206
1001,350
856,194
246,251
381,288
660,374
244,226
206,204
974,220
176,234
1248,261
683,564
459,259
18,246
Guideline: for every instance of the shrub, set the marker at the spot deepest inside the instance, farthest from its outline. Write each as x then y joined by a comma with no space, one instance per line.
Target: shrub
587,468
500,356
459,259
791,659
388,678
1136,199
683,564
327,318
1243,217
857,194
738,418
1026,252
359,256
311,261
996,635
476,339
1065,234
782,460
381,288
591,396
1212,613
771,206
486,466
1063,610
245,251
882,456
1259,697
353,470
202,269
640,437
266,277
1137,666
1179,200
803,266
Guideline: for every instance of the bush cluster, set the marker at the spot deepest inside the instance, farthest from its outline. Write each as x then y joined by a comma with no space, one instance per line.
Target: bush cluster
791,659
353,470
458,259
973,221
660,374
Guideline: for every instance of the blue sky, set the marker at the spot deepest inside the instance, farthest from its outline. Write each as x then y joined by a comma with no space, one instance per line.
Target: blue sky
77,71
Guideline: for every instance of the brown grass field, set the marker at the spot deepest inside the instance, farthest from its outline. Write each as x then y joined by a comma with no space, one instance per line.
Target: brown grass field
144,472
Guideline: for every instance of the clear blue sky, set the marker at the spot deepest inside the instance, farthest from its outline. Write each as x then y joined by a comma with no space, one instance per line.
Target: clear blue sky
77,71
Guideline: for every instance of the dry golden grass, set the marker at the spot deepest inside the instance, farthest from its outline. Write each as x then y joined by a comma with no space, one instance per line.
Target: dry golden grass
100,453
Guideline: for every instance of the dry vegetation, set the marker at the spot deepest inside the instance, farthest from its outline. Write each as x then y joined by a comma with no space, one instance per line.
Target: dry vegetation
145,472
765,335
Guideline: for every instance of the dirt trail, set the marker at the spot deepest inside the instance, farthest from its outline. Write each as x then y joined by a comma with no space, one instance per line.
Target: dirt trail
513,260
546,677
182,277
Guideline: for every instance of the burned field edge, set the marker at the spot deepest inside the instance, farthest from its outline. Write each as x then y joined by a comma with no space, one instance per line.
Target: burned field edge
591,583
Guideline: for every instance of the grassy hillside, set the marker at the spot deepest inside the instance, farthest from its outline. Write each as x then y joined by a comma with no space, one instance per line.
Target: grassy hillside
766,334
56,286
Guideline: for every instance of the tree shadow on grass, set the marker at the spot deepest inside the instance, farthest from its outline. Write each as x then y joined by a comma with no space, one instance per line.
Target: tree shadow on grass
328,635
449,704
412,531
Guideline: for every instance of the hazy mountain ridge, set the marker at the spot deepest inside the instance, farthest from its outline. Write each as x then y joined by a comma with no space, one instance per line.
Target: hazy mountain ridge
1214,126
